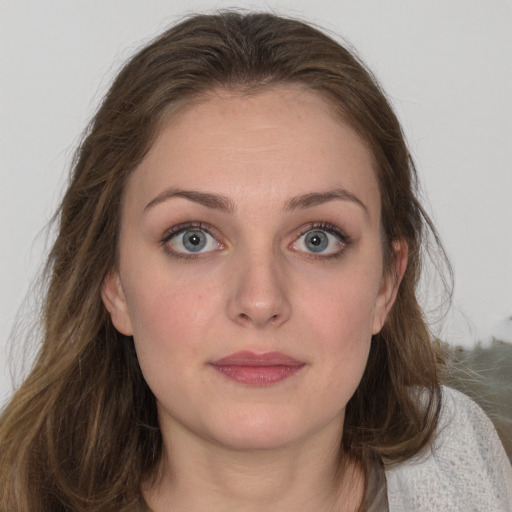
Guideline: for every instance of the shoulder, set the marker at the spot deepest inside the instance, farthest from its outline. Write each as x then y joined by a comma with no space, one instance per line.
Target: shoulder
464,469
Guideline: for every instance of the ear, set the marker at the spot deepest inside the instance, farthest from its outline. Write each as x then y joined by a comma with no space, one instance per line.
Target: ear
113,297
389,285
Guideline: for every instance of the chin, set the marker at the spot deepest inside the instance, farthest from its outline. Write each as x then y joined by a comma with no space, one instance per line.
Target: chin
262,430
257,438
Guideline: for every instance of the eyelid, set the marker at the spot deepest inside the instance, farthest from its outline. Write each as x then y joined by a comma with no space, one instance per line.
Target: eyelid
329,228
183,226
177,229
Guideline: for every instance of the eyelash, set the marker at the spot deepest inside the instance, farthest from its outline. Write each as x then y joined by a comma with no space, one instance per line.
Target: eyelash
343,238
181,228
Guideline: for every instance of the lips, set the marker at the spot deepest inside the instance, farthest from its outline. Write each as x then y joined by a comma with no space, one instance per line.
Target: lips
258,369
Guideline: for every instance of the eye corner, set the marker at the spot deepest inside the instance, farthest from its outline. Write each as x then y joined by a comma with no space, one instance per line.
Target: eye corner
320,241
201,241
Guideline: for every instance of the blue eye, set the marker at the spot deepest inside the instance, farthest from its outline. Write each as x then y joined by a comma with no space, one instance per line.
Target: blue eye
324,241
192,240
316,241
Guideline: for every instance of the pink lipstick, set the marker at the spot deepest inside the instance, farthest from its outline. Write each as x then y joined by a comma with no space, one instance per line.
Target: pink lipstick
258,369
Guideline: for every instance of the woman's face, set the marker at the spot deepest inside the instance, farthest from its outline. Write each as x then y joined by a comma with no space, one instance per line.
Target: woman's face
250,271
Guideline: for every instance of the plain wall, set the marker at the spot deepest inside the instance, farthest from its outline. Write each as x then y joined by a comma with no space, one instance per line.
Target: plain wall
446,65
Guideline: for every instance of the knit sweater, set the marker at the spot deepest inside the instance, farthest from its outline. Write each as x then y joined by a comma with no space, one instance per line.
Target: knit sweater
465,469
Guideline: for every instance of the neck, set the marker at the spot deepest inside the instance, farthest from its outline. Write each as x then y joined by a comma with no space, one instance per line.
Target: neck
306,476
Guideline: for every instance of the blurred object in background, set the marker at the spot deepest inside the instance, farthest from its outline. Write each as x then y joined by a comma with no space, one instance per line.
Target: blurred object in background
502,330
485,375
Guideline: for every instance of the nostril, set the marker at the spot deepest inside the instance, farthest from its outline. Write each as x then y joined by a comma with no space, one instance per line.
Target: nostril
244,316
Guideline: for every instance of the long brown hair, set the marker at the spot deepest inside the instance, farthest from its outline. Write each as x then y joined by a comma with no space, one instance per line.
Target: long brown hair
81,433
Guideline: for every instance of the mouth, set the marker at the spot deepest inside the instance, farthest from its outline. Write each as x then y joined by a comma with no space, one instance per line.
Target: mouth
257,369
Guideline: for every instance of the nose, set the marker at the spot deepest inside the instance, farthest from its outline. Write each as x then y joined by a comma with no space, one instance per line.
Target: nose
258,296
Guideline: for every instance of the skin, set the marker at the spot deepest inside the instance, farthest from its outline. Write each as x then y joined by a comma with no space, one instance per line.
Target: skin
257,286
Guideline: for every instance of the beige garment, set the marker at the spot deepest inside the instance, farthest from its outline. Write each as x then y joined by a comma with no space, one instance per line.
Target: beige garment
465,470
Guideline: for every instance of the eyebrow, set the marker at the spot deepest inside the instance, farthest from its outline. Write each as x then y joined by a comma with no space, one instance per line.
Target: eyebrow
225,204
316,198
214,201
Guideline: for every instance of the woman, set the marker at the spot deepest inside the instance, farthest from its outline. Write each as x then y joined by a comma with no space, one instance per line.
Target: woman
231,320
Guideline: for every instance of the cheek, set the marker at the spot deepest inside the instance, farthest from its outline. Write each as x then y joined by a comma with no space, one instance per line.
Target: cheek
341,320
159,300
169,319
343,305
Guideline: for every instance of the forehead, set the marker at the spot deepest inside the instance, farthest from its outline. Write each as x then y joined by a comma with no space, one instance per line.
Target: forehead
278,142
